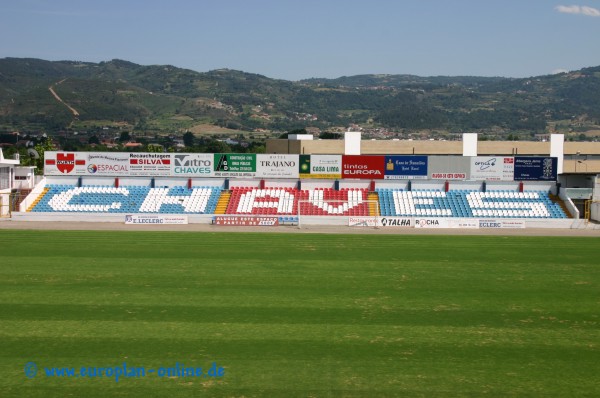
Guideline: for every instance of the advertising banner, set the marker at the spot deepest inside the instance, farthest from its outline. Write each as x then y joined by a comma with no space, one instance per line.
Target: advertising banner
149,164
363,167
155,219
398,222
106,163
463,223
431,223
501,223
277,166
492,168
448,167
247,221
405,167
321,166
535,168
192,165
65,163
235,164
363,222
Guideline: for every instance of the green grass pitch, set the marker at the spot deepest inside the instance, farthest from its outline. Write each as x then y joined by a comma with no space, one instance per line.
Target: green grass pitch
301,315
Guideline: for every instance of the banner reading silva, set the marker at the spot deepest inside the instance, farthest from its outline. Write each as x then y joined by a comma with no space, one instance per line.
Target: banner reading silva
235,165
150,164
364,167
277,166
321,166
405,167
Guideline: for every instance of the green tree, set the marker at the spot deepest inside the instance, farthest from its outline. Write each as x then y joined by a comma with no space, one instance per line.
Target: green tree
41,147
155,148
125,136
188,139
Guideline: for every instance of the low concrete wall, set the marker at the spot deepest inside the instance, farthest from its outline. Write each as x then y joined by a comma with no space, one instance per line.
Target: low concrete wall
569,204
95,217
37,190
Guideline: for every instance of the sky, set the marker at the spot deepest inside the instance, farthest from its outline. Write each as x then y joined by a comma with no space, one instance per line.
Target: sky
302,39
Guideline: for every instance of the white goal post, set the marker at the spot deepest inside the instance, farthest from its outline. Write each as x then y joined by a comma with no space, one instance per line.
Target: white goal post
364,212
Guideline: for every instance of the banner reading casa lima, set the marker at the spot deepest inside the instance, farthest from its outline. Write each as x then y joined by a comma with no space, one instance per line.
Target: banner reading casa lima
321,166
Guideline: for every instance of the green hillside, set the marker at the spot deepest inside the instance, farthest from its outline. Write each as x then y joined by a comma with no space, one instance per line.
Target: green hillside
166,98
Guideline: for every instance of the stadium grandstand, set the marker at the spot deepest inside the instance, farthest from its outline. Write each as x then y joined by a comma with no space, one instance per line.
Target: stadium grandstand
530,187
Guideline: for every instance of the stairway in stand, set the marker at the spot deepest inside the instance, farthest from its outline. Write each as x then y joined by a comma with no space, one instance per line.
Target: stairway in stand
223,202
373,207
561,203
37,200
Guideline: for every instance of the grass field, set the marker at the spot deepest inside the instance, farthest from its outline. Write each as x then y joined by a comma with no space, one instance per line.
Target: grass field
300,315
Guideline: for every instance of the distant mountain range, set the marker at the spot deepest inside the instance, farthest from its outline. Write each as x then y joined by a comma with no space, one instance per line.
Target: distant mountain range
53,96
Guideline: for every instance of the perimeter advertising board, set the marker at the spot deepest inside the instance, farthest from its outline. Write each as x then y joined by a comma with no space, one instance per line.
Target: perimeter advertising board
431,223
492,168
155,219
398,222
405,167
234,165
246,221
535,168
463,223
321,166
501,223
363,167
393,222
277,166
